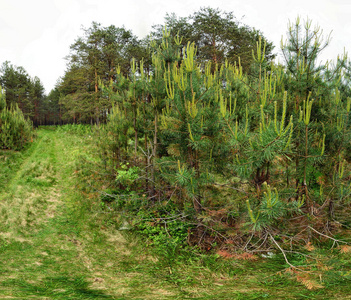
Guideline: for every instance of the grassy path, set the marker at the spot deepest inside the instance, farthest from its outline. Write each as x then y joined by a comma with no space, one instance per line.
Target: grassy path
52,246
48,248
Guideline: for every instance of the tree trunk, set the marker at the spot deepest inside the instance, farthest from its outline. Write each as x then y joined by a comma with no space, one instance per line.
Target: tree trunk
96,99
135,133
154,151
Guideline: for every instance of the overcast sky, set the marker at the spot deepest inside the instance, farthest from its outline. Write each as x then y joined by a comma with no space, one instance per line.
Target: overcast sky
36,34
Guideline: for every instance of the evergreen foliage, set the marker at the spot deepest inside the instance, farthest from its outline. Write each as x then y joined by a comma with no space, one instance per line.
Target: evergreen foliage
277,136
25,92
15,130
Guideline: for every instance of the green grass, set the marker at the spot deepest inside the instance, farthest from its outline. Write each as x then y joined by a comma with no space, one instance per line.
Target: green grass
55,243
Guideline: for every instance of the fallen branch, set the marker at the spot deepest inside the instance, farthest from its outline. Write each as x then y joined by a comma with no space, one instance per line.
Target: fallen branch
327,236
282,251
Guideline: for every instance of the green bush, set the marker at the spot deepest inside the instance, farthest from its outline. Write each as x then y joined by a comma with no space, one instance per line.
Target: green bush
80,129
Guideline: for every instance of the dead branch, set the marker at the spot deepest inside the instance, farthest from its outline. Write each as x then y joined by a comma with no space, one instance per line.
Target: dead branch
282,251
327,236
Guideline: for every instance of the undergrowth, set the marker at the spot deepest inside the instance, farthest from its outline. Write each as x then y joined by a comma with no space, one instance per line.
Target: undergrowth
185,252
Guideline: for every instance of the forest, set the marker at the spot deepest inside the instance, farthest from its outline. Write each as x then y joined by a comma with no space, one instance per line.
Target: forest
201,142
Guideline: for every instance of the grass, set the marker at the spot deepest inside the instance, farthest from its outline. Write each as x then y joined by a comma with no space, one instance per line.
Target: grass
56,244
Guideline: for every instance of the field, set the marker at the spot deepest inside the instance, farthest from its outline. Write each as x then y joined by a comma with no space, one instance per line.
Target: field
56,243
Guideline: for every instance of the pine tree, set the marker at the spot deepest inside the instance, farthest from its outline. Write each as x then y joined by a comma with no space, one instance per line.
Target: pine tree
281,132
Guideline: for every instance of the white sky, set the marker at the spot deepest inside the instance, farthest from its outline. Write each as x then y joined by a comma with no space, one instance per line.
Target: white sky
36,34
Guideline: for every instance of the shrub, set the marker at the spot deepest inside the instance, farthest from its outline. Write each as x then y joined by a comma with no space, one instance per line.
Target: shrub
15,130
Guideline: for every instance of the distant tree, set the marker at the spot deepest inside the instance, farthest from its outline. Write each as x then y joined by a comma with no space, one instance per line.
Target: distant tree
17,85
76,95
51,109
95,58
21,89
217,35
37,98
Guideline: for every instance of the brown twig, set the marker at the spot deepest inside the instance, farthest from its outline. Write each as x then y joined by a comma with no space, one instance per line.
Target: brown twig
282,251
327,236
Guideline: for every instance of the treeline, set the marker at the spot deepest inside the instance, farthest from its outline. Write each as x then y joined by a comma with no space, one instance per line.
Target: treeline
252,158
29,95
101,52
